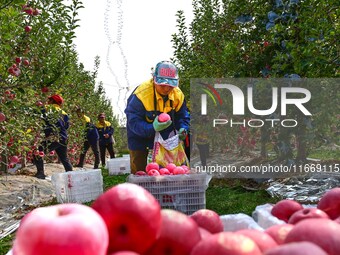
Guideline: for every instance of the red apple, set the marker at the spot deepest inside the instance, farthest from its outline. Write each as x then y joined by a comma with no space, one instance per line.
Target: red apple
226,243
41,154
171,167
164,117
140,173
14,159
178,170
285,208
307,213
124,253
330,203
153,172
18,60
204,233
262,239
164,171
151,165
279,232
44,89
62,229
2,117
26,62
179,234
132,216
36,12
208,219
323,232
298,248
28,29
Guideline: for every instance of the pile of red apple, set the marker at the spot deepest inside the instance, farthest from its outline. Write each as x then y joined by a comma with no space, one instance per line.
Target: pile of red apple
128,220
154,169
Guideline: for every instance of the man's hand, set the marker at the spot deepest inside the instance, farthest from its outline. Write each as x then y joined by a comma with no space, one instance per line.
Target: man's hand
159,126
182,133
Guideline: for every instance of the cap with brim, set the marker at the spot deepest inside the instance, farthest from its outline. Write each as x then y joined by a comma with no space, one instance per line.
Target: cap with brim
166,74
166,81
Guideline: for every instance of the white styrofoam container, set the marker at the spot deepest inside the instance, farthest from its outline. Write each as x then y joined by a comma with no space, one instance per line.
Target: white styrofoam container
234,222
119,165
78,186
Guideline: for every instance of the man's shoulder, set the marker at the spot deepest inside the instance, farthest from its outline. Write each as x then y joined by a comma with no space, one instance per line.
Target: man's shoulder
145,89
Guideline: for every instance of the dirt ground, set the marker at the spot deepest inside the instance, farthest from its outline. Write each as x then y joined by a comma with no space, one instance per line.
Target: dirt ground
21,192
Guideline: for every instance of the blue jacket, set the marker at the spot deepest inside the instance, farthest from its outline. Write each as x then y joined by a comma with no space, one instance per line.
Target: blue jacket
56,123
143,105
91,132
105,129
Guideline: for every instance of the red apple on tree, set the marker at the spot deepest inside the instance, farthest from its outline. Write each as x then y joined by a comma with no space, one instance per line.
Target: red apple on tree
63,229
14,159
2,117
179,234
132,216
28,29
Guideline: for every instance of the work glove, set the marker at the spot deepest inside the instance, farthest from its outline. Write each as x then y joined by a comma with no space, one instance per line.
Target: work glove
182,133
159,126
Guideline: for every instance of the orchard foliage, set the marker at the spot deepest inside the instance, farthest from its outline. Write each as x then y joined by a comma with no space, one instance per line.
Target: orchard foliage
38,59
292,39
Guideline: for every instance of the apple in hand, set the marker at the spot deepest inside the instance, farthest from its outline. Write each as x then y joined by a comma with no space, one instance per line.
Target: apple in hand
330,203
307,213
208,219
179,234
285,208
132,216
63,229
163,117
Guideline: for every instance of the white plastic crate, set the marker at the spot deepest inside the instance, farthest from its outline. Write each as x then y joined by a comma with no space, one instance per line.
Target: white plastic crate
184,193
119,165
78,186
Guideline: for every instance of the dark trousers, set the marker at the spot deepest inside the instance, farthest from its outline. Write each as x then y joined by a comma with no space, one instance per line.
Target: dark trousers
204,153
138,160
103,148
95,150
60,149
